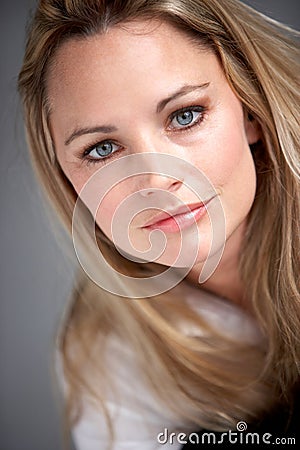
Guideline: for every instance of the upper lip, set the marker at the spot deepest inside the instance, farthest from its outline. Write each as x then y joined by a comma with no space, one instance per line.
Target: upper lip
174,212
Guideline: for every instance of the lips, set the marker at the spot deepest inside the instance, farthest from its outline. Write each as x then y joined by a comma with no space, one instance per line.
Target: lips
175,214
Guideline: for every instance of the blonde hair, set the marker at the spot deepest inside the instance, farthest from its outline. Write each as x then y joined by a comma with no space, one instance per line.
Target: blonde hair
261,63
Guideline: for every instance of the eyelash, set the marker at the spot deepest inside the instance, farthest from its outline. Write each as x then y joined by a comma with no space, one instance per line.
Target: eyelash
195,109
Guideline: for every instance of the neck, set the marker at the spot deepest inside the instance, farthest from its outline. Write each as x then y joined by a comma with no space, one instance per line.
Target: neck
226,281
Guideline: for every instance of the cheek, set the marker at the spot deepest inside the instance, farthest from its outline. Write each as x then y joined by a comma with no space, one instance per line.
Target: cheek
225,156
102,207
73,172
235,175
233,163
105,216
108,214
226,159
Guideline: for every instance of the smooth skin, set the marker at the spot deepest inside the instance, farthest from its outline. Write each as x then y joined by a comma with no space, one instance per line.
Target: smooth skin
122,93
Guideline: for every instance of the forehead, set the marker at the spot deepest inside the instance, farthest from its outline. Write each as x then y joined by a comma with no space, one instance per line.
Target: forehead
124,73
138,36
123,52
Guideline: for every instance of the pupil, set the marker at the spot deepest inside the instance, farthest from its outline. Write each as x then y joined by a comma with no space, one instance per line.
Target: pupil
185,118
104,149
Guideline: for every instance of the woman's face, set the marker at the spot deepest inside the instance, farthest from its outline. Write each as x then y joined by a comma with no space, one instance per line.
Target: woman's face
147,87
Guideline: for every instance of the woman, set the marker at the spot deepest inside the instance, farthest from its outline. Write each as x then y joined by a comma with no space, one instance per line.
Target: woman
138,100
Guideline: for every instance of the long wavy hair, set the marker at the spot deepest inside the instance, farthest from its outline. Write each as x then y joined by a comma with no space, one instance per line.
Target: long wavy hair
213,379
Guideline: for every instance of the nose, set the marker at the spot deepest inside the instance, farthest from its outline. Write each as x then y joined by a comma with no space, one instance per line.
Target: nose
159,167
157,173
157,181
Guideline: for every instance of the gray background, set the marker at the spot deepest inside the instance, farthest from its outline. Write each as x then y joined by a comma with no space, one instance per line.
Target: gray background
36,276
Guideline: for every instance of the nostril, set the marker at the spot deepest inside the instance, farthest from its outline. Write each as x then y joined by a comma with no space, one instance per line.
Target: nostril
175,186
147,192
160,182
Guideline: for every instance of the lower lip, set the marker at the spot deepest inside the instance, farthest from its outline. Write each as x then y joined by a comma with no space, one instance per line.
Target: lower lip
179,222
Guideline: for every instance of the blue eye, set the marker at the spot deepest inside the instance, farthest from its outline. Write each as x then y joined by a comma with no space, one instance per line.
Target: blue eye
186,118
102,150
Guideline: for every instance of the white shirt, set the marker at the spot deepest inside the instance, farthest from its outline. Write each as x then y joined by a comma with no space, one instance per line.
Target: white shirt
139,420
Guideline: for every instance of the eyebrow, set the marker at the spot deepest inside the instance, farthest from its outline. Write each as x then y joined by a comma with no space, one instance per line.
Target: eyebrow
106,129
89,130
186,89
